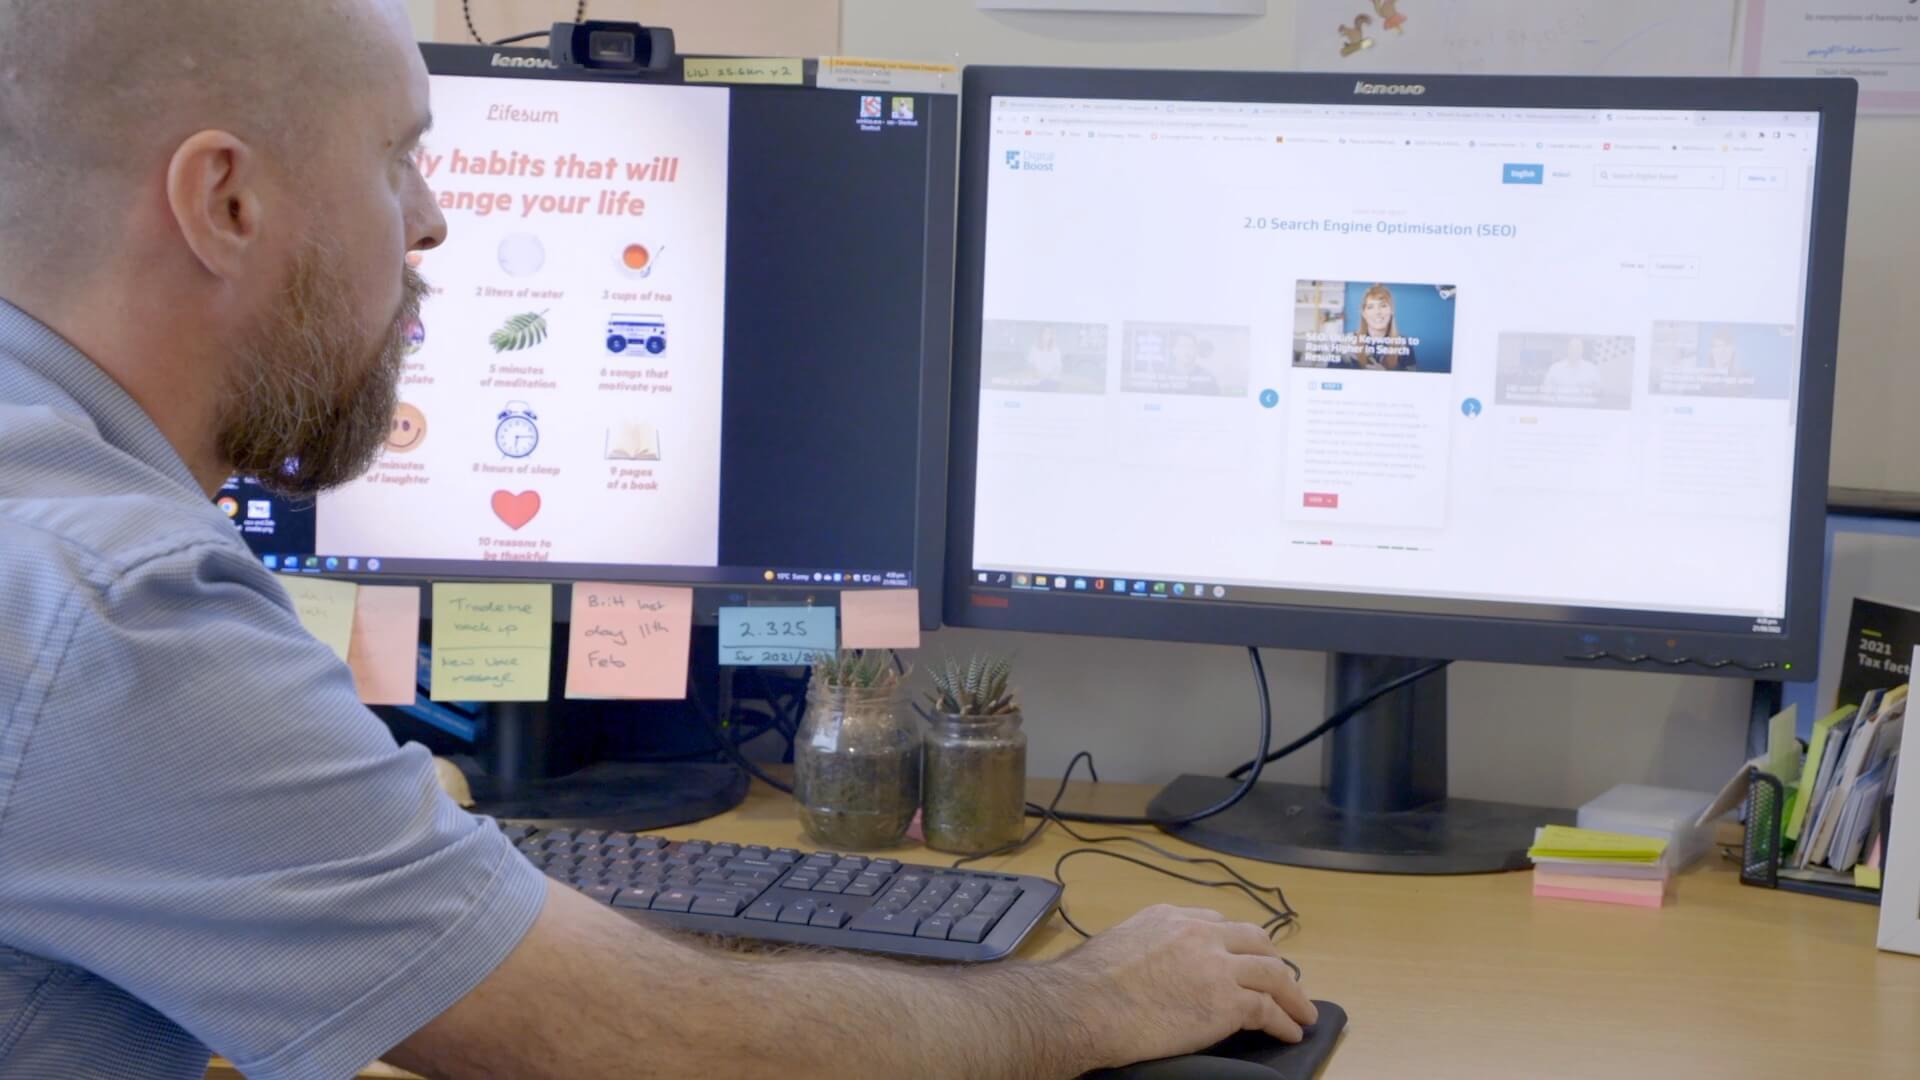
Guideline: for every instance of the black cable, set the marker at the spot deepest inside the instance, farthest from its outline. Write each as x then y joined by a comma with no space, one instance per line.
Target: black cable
1232,800
727,747
1283,915
466,12
789,721
1046,814
900,666
528,36
1344,714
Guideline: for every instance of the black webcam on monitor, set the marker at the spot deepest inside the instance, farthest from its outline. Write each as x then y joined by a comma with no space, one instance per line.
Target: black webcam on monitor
612,47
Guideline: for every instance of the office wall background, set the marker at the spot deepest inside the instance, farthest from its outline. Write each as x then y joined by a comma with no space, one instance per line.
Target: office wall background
1150,711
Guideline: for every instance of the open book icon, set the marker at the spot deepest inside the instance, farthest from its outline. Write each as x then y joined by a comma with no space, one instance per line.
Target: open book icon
633,442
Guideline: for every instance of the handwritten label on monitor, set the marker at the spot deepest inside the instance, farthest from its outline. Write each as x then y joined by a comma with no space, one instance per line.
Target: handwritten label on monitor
491,642
629,642
769,71
325,609
386,643
880,619
776,636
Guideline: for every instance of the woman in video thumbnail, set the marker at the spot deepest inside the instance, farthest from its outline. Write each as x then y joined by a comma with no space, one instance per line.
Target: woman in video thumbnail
1381,346
1044,358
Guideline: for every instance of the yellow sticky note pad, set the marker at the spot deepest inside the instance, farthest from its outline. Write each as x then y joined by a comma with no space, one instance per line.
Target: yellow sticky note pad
880,619
491,642
1567,842
756,71
629,642
325,609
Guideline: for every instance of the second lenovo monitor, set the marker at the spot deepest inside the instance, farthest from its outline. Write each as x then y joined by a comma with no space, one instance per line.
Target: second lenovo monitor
680,334
1532,370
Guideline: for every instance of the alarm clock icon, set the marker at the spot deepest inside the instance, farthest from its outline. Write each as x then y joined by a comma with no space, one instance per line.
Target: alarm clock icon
518,431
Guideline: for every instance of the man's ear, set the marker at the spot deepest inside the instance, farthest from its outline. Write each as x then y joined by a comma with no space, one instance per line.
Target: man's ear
213,191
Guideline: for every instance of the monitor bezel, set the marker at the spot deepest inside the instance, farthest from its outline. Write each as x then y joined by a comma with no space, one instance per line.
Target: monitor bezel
1641,644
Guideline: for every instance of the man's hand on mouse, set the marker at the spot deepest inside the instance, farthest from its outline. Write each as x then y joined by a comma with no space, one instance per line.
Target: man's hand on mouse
1174,980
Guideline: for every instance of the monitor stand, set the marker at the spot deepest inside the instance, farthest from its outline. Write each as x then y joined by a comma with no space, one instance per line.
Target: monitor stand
519,782
523,761
1383,807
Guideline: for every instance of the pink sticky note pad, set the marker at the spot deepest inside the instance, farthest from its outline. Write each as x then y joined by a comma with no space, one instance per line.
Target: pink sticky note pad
1596,896
629,642
386,643
1581,883
880,619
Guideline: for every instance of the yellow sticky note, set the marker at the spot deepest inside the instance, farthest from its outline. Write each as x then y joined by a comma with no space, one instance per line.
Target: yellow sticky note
325,609
386,640
629,642
861,73
759,70
880,619
491,642
1866,877
1783,748
1567,842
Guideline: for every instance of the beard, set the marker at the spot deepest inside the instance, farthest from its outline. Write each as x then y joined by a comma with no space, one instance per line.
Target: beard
312,401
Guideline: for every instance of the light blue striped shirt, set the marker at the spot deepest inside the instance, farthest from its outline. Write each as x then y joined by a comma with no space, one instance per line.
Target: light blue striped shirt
205,840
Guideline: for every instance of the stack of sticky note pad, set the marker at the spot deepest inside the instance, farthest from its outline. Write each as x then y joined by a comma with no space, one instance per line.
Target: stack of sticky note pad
1605,867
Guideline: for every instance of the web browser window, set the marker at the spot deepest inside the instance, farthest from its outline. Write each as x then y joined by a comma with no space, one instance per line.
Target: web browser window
1541,357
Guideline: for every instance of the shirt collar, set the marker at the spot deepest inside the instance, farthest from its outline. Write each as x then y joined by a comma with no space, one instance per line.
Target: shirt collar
116,416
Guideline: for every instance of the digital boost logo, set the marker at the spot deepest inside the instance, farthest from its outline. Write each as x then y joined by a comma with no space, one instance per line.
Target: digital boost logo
1029,161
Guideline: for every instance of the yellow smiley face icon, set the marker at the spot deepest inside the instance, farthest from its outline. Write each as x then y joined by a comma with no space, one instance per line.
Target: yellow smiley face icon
409,429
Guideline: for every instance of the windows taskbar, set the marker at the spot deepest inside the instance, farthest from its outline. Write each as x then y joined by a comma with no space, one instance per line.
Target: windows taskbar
1728,621
531,570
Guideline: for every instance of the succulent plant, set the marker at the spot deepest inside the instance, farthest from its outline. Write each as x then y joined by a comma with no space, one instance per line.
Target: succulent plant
856,669
975,688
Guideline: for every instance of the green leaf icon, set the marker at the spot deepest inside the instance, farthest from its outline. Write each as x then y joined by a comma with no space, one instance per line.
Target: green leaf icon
520,332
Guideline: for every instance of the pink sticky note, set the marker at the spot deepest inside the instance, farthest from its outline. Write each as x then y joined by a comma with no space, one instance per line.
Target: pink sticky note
384,651
629,642
1598,897
880,619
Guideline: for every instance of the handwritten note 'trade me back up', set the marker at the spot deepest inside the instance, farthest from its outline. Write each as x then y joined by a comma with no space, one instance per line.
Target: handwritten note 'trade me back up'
492,642
629,642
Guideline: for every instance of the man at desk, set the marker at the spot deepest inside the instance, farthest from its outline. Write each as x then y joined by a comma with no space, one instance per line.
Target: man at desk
205,841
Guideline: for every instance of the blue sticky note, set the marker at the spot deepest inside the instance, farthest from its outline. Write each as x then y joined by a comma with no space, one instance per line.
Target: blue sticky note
777,636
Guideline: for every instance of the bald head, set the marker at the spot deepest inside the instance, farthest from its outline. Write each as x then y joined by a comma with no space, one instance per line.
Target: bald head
214,200
95,96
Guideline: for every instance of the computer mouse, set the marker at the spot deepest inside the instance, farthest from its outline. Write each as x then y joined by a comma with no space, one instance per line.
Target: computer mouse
1249,1055
1192,1067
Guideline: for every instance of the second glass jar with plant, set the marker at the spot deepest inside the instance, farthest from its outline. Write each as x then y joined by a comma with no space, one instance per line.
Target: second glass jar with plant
976,758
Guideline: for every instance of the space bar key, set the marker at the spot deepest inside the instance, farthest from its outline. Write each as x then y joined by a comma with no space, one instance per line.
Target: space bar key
883,922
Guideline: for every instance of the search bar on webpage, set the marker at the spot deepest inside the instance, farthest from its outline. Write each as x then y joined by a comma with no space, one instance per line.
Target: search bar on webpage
1698,177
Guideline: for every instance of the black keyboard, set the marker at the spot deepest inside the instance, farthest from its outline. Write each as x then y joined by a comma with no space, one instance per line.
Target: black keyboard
801,898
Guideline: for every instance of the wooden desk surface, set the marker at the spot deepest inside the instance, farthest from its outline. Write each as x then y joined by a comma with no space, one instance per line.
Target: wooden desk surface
1473,977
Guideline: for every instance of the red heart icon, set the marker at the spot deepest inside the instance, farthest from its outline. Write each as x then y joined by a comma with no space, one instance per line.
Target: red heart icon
516,510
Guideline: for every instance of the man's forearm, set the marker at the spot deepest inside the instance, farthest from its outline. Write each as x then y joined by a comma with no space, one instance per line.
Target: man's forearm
591,994
1011,1019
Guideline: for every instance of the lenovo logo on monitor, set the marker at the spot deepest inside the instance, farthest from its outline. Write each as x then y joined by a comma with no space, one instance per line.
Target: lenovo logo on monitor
503,61
1396,89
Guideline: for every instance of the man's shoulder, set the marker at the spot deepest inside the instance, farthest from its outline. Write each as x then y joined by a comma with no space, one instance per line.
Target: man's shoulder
75,508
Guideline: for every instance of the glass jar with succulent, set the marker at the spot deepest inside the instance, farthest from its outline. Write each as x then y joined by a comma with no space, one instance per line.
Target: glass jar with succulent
857,756
976,773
